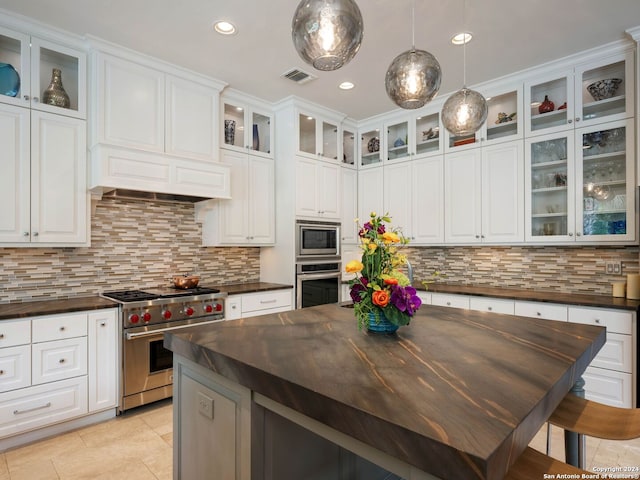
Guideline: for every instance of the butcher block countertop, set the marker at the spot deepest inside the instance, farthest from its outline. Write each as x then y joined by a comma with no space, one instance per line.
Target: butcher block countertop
453,394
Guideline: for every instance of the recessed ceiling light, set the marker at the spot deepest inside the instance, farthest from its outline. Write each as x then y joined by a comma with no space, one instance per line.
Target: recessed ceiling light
461,38
346,86
225,28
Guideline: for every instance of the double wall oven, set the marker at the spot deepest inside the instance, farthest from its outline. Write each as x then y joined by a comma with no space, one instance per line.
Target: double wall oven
318,268
146,366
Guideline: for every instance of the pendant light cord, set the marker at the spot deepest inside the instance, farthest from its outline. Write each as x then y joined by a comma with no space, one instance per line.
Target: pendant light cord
464,44
413,25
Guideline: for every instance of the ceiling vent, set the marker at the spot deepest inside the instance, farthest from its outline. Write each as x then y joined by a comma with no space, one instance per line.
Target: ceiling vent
298,76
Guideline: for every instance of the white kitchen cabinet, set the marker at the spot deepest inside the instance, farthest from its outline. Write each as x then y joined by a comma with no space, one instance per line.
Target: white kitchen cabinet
569,89
371,148
318,189
258,303
494,305
34,59
349,204
44,186
450,300
248,218
349,144
319,135
142,107
547,311
580,185
103,355
15,367
396,141
425,135
484,195
370,193
247,125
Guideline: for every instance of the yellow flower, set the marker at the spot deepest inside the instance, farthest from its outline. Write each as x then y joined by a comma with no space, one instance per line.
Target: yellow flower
354,266
372,247
390,237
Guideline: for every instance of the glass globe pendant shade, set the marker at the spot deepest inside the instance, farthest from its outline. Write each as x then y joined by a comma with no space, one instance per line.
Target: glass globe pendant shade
327,33
413,78
464,112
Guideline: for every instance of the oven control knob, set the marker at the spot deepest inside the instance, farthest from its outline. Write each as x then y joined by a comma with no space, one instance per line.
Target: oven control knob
146,316
134,318
188,311
166,314
218,307
208,308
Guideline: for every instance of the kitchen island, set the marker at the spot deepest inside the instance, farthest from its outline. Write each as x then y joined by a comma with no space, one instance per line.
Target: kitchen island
457,394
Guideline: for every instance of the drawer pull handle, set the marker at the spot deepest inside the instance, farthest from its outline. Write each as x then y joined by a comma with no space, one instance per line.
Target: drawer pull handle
597,320
269,301
103,324
538,313
62,329
448,304
1,335
18,412
62,360
490,308
1,372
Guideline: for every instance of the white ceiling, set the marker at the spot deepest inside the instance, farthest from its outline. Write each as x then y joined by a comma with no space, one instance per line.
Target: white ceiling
509,36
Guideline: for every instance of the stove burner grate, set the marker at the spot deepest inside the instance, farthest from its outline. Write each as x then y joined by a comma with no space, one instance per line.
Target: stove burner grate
130,295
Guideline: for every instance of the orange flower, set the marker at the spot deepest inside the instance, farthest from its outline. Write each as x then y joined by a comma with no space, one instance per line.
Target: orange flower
380,298
391,281
354,266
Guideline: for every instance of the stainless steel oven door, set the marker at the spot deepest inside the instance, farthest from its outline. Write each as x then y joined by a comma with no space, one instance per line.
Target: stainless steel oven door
147,366
317,288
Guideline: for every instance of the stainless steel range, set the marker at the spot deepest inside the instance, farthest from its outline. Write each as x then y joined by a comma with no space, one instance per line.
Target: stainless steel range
146,366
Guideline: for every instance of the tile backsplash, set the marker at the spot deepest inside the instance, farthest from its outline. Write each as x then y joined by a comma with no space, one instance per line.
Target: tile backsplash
134,244
551,268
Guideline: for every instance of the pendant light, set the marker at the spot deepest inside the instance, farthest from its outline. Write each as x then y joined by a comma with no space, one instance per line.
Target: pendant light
414,76
465,111
327,33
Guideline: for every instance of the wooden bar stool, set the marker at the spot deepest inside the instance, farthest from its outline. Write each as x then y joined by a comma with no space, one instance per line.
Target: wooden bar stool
532,465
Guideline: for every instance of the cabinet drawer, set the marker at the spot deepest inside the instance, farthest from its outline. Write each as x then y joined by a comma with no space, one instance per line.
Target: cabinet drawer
608,387
59,360
495,305
615,354
548,311
425,297
15,367
59,326
615,320
267,300
33,407
448,300
15,332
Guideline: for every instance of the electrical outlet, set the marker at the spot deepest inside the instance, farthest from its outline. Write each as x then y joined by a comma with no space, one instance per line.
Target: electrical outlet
614,268
205,405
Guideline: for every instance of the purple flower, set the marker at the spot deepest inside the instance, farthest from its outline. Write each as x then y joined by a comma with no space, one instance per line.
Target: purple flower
357,289
381,229
405,299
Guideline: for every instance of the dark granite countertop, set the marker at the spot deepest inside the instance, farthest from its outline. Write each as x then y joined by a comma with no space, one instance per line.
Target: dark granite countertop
50,307
453,393
604,301
251,287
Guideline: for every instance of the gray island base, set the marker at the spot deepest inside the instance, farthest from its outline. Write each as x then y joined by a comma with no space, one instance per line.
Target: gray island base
305,395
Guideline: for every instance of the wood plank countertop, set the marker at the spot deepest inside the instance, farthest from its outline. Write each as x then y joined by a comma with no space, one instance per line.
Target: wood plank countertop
458,394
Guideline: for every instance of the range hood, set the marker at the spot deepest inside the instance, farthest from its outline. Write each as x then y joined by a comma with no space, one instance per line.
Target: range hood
152,196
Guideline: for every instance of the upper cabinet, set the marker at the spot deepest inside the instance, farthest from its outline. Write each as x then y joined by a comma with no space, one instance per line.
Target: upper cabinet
246,125
31,63
370,151
396,141
319,135
349,144
590,93
427,139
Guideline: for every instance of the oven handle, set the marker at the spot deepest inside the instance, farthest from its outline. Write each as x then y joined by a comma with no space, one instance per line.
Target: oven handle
131,336
319,275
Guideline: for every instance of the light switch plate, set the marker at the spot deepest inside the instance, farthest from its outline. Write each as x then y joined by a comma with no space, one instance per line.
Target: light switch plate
205,405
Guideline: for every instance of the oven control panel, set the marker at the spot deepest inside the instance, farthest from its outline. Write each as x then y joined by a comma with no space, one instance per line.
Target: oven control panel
140,315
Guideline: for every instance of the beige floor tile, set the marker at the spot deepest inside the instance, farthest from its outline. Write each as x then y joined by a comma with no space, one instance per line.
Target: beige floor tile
129,470
168,437
44,449
161,420
35,469
112,430
4,470
161,464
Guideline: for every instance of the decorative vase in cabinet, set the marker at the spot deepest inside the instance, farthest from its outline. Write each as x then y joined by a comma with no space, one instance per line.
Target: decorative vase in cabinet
546,106
55,94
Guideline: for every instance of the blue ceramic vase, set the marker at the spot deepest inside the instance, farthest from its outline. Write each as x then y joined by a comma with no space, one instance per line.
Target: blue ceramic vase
381,324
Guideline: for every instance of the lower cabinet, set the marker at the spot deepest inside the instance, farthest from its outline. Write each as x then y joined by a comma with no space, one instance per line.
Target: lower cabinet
259,303
57,367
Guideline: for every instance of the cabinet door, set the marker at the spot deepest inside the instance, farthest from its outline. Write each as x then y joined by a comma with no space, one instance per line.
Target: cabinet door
396,141
427,205
426,137
349,206
58,360
504,118
462,190
15,178
15,51
397,196
329,149
130,104
59,195
15,367
503,192
261,191
234,219
192,112
329,190
549,188
370,187
541,117
306,188
103,359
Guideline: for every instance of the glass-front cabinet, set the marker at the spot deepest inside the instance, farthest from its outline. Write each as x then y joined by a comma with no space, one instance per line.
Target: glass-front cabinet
427,134
580,186
318,137
549,103
397,140
370,151
246,128
349,145
27,67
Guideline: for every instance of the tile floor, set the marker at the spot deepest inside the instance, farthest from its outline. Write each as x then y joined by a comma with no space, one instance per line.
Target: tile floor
138,445
133,446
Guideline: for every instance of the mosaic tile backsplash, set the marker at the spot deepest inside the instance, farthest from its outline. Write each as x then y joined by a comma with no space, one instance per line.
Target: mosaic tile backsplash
134,244
551,268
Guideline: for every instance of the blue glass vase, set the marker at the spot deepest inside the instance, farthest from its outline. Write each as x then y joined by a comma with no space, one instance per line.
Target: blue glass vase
9,80
380,324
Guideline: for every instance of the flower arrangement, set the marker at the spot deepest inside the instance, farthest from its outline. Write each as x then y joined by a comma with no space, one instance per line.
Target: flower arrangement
379,288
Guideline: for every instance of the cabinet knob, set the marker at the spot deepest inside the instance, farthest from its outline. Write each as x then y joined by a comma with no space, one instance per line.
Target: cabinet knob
490,308
477,236
448,303
538,313
36,99
570,234
62,329
35,234
577,119
233,307
1,372
578,234
25,234
103,324
597,320
569,121
1,335
61,360
26,97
